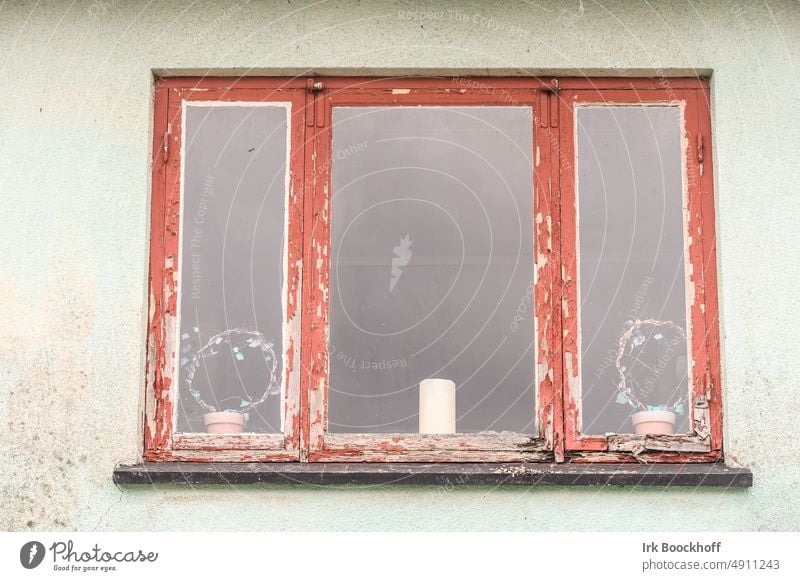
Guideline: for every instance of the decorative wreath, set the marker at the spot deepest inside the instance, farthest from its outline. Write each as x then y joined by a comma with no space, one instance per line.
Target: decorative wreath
255,340
626,394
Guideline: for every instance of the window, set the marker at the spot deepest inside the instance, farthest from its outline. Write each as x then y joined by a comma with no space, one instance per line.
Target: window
432,270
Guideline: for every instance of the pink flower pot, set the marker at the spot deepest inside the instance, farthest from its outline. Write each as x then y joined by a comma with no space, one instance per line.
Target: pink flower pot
654,422
224,422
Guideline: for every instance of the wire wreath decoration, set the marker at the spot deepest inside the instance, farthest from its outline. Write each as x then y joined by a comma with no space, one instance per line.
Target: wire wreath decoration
626,392
256,339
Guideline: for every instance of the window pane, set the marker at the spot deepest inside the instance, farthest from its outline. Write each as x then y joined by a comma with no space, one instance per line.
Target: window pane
630,199
431,259
232,247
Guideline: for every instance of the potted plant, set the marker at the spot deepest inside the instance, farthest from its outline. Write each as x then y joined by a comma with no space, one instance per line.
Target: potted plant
222,418
649,418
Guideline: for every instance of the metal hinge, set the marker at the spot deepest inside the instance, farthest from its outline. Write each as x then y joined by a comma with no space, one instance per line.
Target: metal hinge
701,151
165,144
315,105
552,91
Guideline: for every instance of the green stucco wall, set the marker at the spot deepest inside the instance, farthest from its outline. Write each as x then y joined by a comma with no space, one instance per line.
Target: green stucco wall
75,117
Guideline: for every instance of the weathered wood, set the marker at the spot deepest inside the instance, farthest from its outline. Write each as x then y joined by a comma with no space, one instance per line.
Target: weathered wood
305,395
705,188
645,457
160,442
677,443
220,456
316,275
703,332
447,475
362,455
157,408
456,91
228,442
446,80
508,441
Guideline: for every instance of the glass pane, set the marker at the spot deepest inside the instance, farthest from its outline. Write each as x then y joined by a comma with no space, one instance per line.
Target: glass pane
632,289
232,257
431,260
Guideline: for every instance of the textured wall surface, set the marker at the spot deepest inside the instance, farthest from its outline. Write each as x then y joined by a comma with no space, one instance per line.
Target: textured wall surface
75,116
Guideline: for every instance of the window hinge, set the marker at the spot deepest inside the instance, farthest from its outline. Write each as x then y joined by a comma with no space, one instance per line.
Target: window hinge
700,151
544,109
165,144
709,386
552,102
315,114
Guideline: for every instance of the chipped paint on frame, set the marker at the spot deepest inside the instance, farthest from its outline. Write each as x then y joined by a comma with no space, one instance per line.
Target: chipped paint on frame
555,229
160,441
414,447
704,441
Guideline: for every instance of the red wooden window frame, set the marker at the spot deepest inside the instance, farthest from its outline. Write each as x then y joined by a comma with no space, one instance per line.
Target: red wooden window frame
704,443
414,447
160,441
555,296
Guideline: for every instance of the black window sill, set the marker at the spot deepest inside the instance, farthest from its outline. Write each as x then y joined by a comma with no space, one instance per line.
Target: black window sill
338,474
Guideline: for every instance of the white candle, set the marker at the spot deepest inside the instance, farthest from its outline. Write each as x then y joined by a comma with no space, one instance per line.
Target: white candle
437,406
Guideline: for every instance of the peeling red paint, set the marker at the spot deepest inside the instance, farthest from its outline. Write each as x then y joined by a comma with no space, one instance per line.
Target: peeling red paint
160,442
701,268
343,455
412,447
308,239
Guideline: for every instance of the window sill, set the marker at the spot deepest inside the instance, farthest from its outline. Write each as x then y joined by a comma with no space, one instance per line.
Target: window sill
337,474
